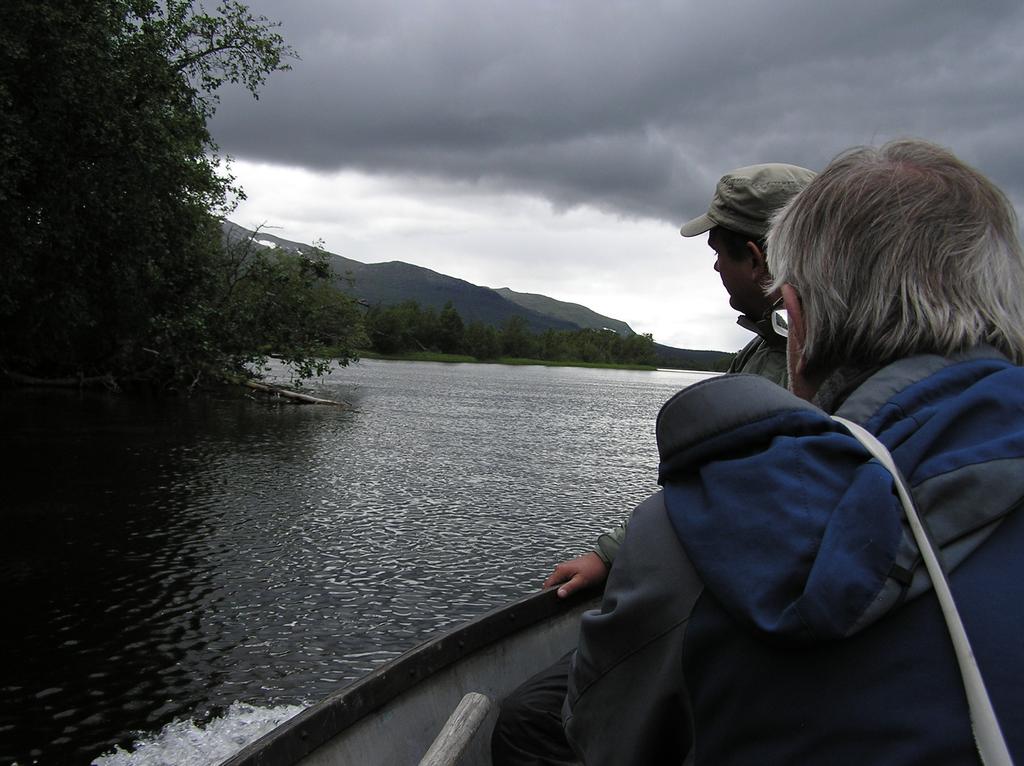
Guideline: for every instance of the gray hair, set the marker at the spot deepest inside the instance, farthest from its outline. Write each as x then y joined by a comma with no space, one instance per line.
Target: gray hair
897,251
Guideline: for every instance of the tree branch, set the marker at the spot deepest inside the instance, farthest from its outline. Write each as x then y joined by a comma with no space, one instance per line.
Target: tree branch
305,398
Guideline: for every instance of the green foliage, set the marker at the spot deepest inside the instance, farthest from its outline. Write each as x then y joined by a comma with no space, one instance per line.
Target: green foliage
722,364
482,341
421,356
231,46
408,328
272,300
516,339
450,330
110,192
690,359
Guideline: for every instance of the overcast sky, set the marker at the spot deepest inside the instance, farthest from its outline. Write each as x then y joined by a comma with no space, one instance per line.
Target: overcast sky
556,146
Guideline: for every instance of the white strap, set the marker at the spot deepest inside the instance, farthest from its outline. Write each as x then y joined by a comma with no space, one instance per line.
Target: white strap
988,737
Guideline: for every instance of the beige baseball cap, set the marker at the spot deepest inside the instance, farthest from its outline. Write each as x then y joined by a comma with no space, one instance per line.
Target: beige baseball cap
746,198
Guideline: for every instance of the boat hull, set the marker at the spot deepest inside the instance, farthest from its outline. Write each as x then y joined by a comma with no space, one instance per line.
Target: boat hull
393,715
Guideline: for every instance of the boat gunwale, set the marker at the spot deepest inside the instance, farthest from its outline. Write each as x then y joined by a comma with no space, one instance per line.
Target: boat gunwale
299,736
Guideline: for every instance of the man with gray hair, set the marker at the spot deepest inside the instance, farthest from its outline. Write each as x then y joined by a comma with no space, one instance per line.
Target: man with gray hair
790,619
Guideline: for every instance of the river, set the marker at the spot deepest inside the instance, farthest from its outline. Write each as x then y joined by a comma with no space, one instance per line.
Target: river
180,572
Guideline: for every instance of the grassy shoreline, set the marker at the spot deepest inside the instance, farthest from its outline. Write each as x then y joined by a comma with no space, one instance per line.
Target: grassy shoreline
430,356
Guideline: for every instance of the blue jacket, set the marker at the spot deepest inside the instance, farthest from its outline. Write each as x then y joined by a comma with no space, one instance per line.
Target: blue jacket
799,625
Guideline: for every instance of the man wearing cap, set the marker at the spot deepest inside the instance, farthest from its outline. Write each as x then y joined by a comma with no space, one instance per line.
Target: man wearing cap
529,726
736,223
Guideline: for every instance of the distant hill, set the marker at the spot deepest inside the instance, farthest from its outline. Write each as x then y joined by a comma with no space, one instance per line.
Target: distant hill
689,359
579,315
393,282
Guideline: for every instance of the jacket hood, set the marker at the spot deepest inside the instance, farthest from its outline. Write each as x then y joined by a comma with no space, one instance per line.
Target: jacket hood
796,529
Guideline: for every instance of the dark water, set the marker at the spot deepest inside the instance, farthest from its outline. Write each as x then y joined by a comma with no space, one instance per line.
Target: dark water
163,559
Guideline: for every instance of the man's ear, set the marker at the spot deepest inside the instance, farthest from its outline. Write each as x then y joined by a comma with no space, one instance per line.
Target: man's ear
759,263
800,383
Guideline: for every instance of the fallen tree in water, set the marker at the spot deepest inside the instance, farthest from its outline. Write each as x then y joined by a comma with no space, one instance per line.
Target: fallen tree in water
295,395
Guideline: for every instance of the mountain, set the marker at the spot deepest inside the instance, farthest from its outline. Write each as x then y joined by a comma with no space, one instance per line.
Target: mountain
396,281
579,315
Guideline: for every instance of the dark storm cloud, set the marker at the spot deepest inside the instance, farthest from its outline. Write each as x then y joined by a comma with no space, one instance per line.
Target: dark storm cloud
635,108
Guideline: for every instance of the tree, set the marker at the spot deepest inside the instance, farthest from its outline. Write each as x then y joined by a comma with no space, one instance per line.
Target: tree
283,301
386,330
403,327
110,185
450,330
424,326
639,349
516,340
482,341
555,346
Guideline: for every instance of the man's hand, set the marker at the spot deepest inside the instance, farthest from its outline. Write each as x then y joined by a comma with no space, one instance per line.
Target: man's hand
580,572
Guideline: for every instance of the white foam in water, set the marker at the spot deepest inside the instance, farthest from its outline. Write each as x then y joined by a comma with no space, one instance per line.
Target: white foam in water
184,743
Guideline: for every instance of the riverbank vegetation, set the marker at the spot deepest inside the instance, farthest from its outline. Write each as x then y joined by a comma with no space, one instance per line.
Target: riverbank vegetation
431,356
112,195
408,328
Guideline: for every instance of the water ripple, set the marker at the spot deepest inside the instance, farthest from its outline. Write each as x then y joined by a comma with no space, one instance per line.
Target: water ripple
198,554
